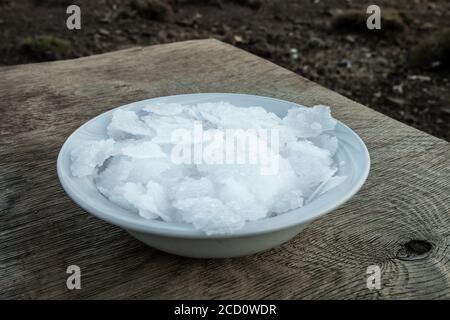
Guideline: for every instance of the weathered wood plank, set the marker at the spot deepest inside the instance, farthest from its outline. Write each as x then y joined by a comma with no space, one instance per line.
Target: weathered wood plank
407,196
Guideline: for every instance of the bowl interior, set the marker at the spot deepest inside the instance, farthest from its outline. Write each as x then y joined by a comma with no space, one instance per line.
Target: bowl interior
352,159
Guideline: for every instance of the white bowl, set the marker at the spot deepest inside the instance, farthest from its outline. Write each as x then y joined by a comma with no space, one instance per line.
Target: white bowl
352,158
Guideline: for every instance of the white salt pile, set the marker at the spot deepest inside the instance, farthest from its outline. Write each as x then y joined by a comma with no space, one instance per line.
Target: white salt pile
178,163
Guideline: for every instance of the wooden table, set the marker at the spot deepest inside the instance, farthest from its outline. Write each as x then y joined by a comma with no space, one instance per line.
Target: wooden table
400,220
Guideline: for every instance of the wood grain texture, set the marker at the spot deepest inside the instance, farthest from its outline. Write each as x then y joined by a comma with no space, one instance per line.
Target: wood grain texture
407,195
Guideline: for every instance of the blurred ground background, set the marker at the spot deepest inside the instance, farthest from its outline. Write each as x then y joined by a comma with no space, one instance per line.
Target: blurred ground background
402,70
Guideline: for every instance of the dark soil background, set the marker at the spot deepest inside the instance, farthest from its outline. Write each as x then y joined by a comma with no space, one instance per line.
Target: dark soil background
401,70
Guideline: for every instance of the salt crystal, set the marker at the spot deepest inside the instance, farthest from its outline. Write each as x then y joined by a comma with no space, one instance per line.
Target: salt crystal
238,197
326,141
135,168
116,172
150,200
209,215
142,150
87,157
291,200
156,196
191,188
117,196
311,164
224,115
166,126
165,109
125,124
268,187
145,170
310,122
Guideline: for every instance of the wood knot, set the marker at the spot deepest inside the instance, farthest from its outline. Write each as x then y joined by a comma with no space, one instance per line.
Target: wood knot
414,249
418,247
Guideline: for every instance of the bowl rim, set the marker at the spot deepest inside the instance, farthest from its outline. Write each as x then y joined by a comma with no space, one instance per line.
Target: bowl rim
154,227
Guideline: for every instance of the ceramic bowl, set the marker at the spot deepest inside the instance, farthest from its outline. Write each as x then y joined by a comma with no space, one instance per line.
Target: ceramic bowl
352,158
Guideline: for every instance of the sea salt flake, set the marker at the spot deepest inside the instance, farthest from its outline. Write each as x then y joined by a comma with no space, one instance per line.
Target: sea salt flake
87,157
310,122
142,150
290,200
166,127
136,170
210,215
268,187
191,188
326,141
165,109
125,124
311,164
149,200
238,196
156,196
224,115
145,170
116,195
115,173
126,195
